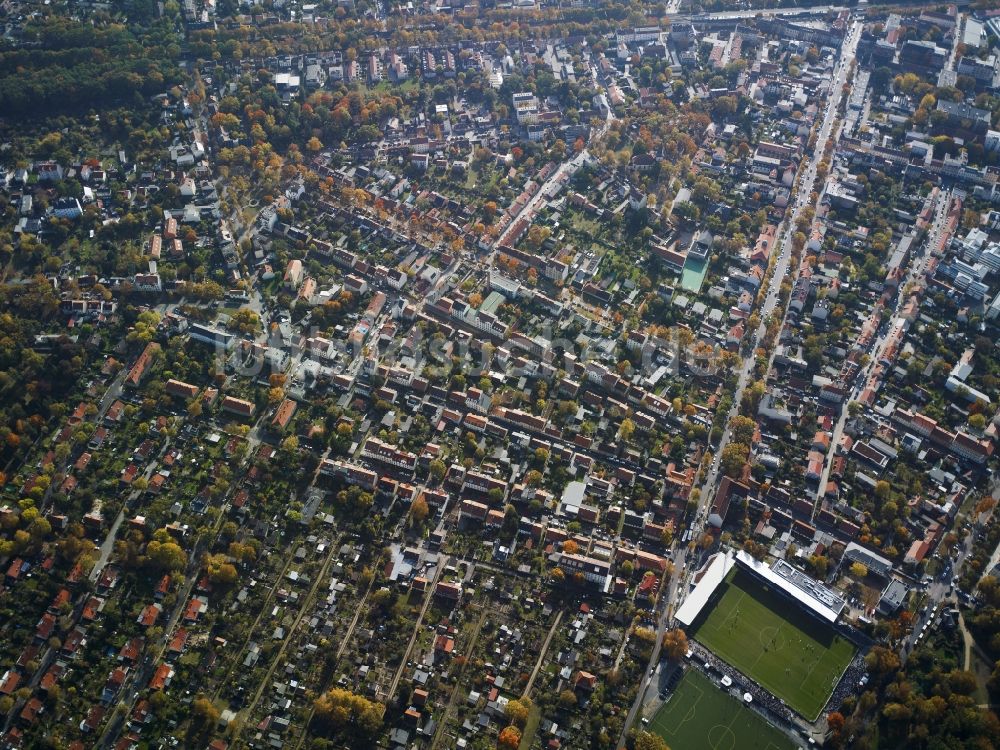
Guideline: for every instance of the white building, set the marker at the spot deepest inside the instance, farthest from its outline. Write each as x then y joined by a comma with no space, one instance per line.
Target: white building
525,108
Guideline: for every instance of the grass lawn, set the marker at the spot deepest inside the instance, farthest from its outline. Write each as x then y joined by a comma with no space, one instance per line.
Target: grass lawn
785,650
530,727
481,181
700,714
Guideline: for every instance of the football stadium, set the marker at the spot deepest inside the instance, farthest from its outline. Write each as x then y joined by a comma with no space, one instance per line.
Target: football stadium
774,625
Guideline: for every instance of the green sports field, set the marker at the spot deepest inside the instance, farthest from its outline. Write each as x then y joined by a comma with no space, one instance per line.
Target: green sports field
789,653
701,716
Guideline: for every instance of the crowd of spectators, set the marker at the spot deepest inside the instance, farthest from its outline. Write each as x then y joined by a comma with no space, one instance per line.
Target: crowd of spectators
774,709
853,676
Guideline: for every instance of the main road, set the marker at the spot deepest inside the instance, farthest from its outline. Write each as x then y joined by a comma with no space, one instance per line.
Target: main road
803,200
807,180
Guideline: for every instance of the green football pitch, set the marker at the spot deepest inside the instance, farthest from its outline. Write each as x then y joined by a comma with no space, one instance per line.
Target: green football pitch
701,716
785,650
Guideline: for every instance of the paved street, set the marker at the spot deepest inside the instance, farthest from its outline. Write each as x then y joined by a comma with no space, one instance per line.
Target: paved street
678,585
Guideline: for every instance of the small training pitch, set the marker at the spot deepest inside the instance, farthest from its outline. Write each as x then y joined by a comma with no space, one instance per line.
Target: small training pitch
700,715
773,642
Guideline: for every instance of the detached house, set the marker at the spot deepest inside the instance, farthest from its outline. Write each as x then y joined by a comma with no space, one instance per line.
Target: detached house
283,414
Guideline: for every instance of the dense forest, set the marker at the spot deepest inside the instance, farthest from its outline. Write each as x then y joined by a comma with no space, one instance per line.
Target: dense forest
74,66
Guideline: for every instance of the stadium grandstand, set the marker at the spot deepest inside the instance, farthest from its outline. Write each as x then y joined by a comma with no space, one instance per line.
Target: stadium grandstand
708,580
816,598
808,593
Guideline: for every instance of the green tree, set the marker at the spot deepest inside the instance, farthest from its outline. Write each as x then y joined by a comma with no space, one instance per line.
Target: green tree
165,556
437,469
734,458
742,429
220,570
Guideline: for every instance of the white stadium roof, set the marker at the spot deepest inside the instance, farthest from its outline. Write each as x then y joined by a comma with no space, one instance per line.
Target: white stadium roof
713,575
813,595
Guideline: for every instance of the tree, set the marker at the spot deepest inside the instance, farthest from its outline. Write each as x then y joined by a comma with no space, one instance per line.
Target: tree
648,741
570,547
742,429
989,590
644,638
734,458
419,510
204,713
354,500
220,570
537,235
752,396
675,644
244,320
510,738
627,429
165,556
835,722
437,469
859,570
819,565
881,661
341,710
518,710
567,699
243,552
994,682
667,537
962,682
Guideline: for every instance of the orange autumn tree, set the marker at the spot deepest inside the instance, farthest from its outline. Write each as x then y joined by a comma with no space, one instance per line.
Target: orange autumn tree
509,738
675,644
